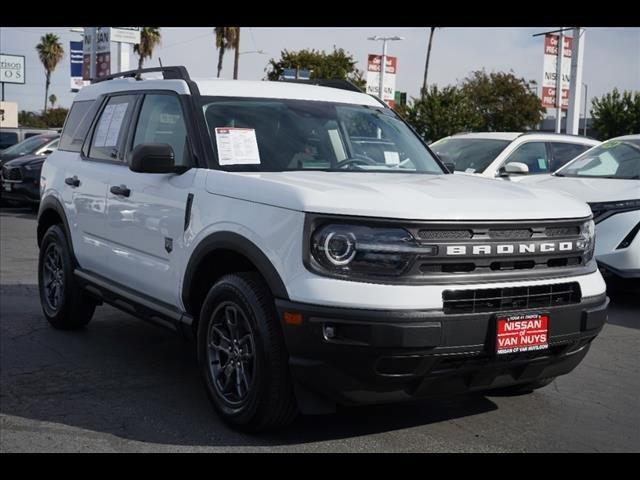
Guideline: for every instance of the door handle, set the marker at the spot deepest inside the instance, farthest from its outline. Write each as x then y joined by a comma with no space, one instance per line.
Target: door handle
72,181
120,190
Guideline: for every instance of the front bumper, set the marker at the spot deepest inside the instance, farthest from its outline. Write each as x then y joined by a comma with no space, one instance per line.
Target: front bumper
27,191
385,356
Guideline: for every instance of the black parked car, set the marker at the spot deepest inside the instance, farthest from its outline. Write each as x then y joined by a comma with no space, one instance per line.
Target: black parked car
20,180
35,145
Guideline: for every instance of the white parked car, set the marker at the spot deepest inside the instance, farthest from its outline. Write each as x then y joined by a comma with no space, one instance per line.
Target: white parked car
311,244
608,178
510,155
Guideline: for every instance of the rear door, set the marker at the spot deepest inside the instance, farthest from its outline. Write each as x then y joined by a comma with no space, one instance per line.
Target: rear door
145,226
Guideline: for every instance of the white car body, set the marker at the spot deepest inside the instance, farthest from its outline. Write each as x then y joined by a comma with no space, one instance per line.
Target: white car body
434,261
517,140
623,261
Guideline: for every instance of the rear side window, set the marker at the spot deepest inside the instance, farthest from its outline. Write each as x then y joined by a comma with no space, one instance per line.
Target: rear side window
533,155
111,128
76,127
563,152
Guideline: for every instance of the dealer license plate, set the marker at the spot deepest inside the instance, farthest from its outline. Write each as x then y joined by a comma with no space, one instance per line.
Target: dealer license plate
522,333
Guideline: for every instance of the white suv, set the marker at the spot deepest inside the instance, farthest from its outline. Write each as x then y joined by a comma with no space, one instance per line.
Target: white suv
510,155
311,245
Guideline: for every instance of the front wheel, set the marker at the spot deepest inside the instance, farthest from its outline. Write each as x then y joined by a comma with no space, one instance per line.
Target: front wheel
64,304
242,355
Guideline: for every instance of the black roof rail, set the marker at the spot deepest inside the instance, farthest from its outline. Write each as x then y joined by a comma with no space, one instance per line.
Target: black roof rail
542,132
326,82
168,73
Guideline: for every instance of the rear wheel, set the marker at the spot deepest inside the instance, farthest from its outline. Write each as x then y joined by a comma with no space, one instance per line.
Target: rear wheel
242,355
64,304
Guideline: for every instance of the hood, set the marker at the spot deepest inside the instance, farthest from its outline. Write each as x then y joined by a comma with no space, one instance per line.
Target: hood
25,160
6,157
396,195
588,189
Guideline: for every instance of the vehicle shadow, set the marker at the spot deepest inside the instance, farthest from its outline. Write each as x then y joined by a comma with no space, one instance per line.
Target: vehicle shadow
18,212
123,377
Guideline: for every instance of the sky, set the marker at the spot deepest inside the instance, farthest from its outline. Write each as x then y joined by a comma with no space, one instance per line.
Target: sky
611,56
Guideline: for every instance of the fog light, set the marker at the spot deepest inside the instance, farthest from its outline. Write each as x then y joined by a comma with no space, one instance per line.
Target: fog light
329,332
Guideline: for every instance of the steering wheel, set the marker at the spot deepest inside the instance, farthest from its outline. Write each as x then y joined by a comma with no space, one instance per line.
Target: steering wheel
358,159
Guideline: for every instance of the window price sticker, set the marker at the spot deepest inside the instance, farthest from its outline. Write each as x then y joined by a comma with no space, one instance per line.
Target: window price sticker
237,146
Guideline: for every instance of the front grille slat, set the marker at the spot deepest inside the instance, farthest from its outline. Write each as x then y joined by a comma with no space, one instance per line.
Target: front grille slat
12,173
510,298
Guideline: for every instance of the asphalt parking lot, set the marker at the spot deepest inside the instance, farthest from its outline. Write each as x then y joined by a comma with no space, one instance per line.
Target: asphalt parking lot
123,385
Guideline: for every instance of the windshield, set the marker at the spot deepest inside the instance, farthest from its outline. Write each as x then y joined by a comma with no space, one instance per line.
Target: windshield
274,135
471,155
27,146
612,159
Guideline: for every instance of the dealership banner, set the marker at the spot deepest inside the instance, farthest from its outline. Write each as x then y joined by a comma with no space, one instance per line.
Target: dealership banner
103,53
75,56
373,78
548,94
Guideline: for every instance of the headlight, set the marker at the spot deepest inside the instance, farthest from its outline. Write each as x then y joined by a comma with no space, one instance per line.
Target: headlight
358,250
34,166
603,210
587,240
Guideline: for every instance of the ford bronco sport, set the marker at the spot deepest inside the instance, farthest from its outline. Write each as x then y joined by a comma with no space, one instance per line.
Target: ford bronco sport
311,245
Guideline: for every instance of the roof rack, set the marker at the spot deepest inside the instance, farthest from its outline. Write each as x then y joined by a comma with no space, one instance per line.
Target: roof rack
326,82
542,132
168,73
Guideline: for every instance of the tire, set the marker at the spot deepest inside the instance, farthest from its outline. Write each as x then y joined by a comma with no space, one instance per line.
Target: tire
522,389
69,307
257,393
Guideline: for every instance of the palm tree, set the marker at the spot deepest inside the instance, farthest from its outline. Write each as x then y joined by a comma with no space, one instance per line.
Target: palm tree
426,66
227,38
50,52
149,39
53,99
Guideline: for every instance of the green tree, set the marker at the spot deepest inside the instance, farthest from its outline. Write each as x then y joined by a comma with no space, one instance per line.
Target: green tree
502,101
55,117
440,112
150,38
337,64
616,114
30,119
227,38
53,99
50,52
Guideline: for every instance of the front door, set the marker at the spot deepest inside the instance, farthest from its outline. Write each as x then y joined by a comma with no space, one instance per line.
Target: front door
145,214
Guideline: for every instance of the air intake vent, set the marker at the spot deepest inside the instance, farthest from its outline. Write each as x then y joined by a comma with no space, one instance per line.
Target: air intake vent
510,298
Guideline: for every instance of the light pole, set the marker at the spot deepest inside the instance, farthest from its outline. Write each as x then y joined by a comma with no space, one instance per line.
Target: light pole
383,59
586,89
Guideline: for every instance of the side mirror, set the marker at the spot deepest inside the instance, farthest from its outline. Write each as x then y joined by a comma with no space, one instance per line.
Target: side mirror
513,168
48,151
154,158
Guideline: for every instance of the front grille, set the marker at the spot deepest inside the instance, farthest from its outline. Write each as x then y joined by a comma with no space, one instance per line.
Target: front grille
510,298
476,248
12,173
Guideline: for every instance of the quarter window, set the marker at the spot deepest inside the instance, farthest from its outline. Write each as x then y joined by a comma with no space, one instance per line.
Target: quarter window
76,126
162,121
563,152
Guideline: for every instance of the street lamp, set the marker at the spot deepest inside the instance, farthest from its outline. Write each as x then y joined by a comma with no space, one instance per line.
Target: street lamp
586,89
383,59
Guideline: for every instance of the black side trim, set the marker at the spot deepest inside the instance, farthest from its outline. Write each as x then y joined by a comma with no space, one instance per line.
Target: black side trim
52,203
239,244
187,211
133,302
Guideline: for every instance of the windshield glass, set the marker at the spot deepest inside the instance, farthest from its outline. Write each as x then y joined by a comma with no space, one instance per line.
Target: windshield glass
274,135
612,159
471,155
27,146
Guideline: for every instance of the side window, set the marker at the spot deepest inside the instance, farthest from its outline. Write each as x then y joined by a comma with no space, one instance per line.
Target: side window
161,121
533,155
76,126
111,128
563,152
